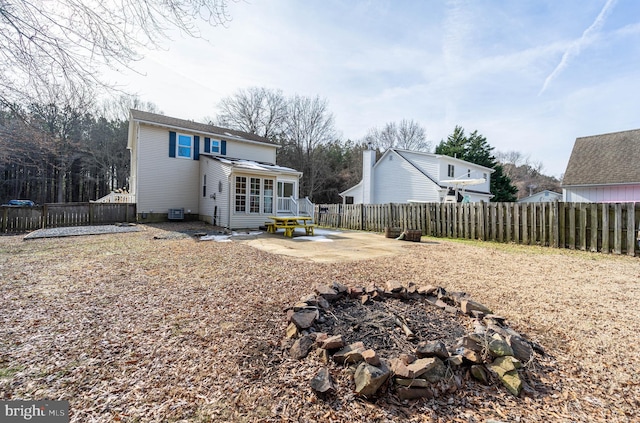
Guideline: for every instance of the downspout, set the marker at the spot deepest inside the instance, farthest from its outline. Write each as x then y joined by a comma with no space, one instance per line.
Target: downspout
229,200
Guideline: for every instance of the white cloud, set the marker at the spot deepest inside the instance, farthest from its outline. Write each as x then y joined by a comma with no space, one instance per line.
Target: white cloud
475,64
578,45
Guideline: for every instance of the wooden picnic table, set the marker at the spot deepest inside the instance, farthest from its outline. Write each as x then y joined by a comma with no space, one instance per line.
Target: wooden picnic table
290,223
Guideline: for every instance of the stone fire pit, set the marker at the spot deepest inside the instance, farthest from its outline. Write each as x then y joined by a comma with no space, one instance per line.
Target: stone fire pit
407,340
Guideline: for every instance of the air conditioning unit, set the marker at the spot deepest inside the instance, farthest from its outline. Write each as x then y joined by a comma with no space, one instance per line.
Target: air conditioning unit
176,214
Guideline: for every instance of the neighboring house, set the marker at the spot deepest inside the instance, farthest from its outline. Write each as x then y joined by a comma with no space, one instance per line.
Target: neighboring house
225,177
604,168
545,196
402,176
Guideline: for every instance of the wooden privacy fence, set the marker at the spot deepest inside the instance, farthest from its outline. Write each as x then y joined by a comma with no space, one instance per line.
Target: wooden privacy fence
598,227
24,219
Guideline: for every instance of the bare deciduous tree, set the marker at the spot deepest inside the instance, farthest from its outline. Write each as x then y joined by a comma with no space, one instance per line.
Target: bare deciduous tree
67,42
309,124
255,110
406,135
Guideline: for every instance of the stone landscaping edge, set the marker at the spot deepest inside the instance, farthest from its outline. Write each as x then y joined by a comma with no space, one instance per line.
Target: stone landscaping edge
491,351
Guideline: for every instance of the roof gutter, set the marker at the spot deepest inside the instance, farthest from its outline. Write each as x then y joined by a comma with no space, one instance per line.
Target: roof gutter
599,185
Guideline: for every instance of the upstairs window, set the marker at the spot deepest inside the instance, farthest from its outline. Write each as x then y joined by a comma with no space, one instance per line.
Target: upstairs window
215,146
184,146
450,171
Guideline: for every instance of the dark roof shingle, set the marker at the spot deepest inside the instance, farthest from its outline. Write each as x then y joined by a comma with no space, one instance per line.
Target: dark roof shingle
196,126
605,159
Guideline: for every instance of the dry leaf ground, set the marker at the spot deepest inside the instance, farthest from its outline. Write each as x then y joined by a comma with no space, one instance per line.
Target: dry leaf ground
131,328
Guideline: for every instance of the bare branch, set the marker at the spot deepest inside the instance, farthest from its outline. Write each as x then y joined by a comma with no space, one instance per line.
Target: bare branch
68,42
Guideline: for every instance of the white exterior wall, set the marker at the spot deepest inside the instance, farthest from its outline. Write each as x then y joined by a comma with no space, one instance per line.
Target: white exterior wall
602,194
217,176
461,169
163,182
368,176
355,192
249,151
132,146
428,163
398,181
542,197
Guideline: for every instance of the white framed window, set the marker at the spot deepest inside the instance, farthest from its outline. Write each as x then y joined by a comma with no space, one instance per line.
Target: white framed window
215,146
241,194
204,186
450,171
267,206
184,146
285,189
254,196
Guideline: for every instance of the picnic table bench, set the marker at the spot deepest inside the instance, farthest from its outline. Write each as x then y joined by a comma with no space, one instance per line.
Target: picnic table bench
289,224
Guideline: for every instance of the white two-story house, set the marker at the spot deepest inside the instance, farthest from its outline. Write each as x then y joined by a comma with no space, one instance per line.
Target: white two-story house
225,177
403,176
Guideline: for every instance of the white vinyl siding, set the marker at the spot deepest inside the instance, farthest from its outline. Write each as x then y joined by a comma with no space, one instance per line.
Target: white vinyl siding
602,194
249,151
397,181
164,182
217,200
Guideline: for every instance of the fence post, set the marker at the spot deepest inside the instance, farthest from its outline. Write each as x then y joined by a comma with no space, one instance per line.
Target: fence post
605,228
594,228
617,229
555,222
91,213
617,226
631,229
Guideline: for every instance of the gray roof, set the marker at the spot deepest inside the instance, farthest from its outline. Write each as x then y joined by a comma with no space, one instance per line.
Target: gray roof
605,159
163,120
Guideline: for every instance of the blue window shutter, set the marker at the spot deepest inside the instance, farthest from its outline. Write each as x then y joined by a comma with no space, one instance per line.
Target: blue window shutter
207,145
223,148
172,144
196,147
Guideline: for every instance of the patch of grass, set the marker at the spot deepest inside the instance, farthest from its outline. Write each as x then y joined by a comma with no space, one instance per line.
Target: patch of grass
530,249
6,372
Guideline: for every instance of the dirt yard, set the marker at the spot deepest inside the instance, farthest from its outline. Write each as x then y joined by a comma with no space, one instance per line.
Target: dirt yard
157,326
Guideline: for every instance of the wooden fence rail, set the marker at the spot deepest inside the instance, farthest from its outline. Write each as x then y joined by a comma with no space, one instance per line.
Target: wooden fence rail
25,219
597,227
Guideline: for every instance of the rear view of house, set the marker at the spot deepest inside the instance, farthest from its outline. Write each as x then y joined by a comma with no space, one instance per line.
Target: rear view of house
190,170
604,169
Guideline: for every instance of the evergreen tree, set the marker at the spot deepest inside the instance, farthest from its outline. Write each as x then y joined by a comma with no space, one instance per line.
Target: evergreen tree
476,149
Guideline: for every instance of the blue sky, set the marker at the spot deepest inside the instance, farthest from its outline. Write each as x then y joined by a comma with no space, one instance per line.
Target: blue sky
531,76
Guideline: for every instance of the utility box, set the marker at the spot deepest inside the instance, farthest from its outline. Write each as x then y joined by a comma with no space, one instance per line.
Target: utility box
176,214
